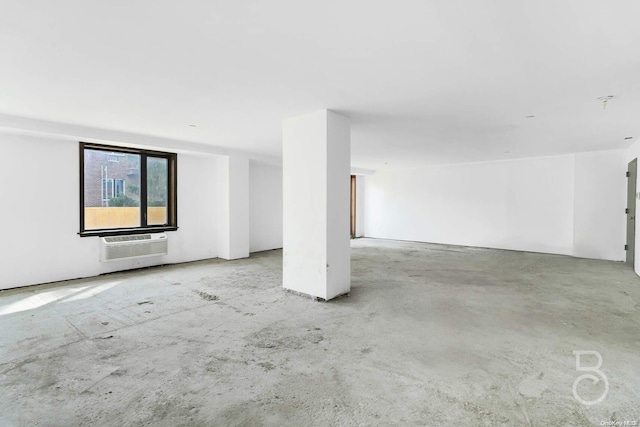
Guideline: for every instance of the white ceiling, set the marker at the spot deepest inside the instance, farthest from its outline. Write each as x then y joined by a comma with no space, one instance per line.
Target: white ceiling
425,82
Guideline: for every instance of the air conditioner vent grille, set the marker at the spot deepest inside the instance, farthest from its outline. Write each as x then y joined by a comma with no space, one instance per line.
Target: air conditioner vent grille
131,238
134,246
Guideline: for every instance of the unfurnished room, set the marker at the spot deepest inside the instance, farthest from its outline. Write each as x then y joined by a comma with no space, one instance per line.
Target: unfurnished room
337,213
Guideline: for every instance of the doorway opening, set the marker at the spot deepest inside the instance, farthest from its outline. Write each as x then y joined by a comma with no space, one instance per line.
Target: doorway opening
630,247
353,206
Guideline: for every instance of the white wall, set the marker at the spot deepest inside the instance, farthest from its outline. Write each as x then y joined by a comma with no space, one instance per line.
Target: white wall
524,204
338,199
233,207
265,206
39,179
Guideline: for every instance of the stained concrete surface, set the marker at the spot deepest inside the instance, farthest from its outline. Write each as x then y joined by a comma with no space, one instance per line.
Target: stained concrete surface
430,335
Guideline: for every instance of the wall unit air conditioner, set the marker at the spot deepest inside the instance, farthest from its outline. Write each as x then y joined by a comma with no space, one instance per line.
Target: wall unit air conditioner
135,246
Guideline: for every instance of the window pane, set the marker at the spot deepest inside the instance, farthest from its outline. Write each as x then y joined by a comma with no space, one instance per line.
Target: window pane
157,194
111,190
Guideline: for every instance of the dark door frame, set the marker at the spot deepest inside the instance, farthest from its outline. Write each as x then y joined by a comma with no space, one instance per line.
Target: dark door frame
353,206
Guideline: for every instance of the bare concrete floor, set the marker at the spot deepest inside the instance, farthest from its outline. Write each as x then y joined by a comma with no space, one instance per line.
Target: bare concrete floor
431,335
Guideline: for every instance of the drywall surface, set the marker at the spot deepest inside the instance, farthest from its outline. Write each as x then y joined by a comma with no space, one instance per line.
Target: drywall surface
599,203
316,171
265,206
40,211
304,159
521,204
197,206
338,199
233,207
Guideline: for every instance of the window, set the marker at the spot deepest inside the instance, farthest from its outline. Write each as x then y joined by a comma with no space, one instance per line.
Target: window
110,188
118,187
115,157
126,190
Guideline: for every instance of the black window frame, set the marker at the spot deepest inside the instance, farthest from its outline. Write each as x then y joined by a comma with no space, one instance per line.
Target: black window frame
172,190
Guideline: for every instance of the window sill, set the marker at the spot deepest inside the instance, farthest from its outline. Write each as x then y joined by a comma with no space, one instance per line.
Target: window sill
126,231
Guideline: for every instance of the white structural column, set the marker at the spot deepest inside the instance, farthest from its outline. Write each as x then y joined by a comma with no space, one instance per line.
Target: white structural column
233,207
316,174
